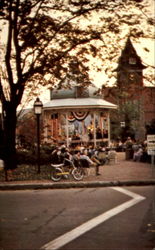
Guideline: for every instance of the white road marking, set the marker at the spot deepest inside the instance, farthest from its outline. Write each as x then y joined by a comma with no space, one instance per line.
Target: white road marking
87,226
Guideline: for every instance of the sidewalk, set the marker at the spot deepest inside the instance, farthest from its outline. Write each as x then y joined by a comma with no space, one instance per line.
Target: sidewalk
122,173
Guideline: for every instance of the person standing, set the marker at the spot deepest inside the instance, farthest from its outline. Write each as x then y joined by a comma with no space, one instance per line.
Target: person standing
128,148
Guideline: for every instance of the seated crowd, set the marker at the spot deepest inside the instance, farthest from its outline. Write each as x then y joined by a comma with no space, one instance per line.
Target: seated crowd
89,156
82,156
138,150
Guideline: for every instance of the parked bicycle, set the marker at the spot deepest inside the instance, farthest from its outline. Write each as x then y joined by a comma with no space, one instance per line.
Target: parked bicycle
66,169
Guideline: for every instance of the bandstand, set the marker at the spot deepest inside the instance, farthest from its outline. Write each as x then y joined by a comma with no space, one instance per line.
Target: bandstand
77,115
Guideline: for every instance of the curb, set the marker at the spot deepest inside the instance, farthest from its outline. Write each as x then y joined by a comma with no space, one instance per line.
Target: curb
63,185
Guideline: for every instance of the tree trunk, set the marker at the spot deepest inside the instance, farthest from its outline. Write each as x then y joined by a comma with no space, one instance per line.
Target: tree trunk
9,126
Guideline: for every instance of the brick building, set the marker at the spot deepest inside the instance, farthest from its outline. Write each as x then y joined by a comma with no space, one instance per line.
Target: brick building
135,100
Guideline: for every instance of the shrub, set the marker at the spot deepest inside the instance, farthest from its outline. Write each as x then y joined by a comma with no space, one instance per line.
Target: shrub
30,157
26,157
47,149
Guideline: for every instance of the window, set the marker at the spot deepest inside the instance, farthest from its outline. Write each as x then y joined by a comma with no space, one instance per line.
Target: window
132,76
132,60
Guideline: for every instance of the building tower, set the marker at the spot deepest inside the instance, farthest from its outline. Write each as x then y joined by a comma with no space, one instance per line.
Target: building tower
130,89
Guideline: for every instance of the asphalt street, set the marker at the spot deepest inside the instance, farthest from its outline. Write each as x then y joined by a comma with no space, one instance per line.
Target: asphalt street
80,218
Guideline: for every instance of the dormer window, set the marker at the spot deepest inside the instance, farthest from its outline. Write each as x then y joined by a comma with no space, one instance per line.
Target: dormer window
132,60
81,92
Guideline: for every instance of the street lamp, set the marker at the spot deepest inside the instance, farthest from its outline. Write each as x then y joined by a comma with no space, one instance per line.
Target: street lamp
38,110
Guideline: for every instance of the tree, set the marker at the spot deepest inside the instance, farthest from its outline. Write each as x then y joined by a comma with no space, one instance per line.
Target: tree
26,129
150,128
42,39
124,121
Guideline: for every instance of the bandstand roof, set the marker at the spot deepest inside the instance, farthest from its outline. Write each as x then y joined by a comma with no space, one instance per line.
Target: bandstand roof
76,103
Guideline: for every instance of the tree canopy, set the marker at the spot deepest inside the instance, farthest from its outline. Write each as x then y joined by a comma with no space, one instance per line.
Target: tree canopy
44,40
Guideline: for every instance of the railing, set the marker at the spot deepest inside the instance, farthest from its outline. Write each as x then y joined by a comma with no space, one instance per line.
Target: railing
79,141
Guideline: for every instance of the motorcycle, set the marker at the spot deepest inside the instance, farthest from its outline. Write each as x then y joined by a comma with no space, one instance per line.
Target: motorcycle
66,169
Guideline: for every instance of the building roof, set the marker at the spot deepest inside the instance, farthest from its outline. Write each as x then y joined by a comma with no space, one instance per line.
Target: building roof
77,103
127,54
75,91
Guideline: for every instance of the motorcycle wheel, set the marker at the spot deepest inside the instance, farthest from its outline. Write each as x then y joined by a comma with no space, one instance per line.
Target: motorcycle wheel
56,174
78,174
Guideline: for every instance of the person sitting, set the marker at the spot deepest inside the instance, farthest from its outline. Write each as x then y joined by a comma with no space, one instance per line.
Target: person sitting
82,160
85,159
76,158
138,154
97,162
102,156
60,155
55,156
92,160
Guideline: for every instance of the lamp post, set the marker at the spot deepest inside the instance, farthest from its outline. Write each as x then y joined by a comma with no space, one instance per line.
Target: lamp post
38,110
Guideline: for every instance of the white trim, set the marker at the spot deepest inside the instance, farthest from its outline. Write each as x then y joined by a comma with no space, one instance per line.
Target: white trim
109,134
94,125
79,103
89,225
67,130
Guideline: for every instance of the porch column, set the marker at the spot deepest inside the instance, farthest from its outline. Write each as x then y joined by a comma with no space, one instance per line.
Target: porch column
109,136
59,124
94,125
45,125
67,130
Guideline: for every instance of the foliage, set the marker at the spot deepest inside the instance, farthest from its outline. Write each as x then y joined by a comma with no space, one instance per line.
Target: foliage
47,149
29,156
26,157
26,130
128,113
150,128
52,38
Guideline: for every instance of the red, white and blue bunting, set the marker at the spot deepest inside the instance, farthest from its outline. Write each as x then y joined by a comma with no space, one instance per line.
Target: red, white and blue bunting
71,117
80,116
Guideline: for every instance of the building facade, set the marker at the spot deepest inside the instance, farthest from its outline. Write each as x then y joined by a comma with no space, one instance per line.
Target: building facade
136,101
